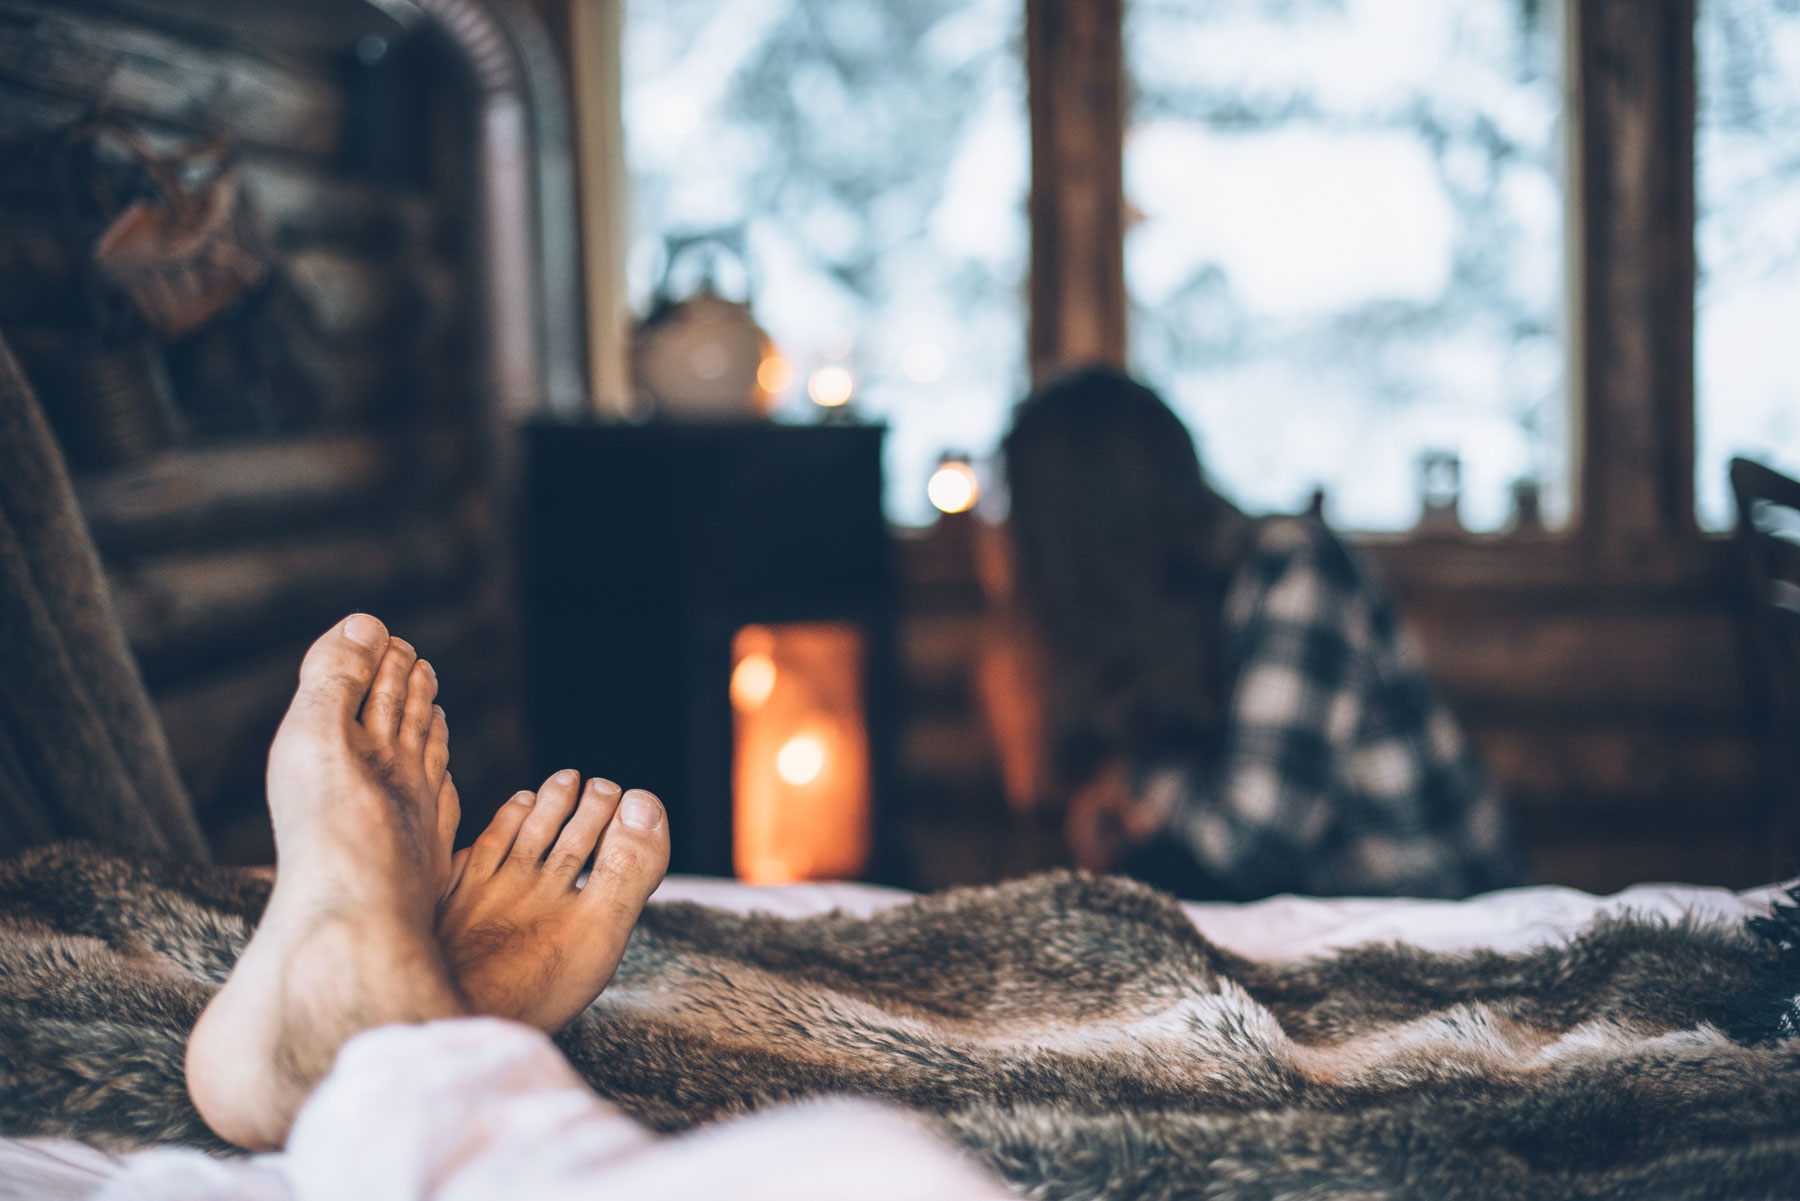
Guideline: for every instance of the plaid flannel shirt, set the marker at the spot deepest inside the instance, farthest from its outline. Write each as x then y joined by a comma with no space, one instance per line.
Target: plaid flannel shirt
1340,771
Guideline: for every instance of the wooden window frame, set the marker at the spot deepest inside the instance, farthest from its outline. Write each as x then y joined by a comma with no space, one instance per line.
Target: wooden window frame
1629,92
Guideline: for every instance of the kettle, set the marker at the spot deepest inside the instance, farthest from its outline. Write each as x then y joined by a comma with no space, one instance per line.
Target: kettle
698,357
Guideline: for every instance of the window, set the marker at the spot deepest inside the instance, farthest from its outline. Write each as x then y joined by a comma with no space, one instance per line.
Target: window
1747,394
870,158
1346,249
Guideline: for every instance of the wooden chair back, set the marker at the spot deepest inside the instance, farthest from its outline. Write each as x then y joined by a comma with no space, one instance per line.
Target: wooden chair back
1768,505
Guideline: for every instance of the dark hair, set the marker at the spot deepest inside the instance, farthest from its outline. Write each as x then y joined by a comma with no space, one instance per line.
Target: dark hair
1122,554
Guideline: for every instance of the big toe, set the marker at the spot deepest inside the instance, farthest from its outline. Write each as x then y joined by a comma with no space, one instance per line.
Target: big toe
633,855
339,668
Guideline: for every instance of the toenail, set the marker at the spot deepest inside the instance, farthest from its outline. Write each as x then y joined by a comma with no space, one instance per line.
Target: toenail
601,784
525,798
364,630
640,810
567,775
429,669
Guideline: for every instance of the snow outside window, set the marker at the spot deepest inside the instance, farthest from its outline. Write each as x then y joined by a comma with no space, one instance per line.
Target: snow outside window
1747,388
872,158
1346,248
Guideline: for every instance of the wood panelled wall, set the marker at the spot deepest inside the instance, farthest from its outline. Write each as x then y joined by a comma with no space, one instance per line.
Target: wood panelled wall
1603,670
361,485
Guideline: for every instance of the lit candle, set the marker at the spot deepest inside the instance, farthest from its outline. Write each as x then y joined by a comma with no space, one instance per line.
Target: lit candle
953,487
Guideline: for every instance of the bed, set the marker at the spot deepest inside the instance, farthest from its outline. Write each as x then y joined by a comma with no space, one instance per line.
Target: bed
1281,928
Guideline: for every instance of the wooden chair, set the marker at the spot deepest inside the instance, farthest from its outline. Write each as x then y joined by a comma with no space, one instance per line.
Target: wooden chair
1768,505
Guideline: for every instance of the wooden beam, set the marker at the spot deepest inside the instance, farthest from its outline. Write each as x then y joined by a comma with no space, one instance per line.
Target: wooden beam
303,207
1565,661
1555,567
263,490
1076,72
1623,767
231,490
191,612
219,724
1633,64
99,59
43,280
345,296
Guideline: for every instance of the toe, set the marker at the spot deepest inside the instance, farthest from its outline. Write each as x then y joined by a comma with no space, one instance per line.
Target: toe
633,855
449,815
556,800
575,845
437,750
338,669
387,695
495,844
416,721
459,863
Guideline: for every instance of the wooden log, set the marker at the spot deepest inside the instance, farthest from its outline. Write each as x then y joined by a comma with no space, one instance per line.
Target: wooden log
208,493
1608,864
1626,768
191,611
484,760
354,382
1557,570
292,33
219,724
26,115
43,280
305,207
94,58
940,648
1618,663
958,748
344,297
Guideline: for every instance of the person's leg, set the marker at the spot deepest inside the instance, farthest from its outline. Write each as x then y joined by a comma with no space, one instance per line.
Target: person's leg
484,1110
323,1039
358,792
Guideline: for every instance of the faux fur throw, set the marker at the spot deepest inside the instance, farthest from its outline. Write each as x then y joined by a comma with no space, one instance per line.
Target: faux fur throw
1077,1035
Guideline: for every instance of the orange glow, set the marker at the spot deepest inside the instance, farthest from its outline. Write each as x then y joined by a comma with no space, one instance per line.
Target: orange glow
774,374
830,387
800,759
752,680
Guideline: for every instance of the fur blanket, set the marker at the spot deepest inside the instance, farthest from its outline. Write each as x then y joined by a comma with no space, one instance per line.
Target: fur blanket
1075,1034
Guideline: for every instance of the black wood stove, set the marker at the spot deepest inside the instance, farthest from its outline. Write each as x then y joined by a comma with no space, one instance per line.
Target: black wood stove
710,616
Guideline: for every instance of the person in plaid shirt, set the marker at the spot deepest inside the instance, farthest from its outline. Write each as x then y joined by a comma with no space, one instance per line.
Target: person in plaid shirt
1231,707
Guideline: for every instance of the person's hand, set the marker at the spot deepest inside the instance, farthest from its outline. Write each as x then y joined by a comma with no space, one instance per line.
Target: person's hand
1106,817
1096,822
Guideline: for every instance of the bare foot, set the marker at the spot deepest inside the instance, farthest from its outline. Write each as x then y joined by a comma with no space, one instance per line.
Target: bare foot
523,941
360,798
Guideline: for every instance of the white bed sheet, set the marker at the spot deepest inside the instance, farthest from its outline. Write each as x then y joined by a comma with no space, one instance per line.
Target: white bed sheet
1285,927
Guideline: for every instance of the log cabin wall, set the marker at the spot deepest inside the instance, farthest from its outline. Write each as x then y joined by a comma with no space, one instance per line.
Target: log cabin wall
315,449
1603,670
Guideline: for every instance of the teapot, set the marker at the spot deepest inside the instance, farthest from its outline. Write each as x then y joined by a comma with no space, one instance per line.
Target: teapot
697,357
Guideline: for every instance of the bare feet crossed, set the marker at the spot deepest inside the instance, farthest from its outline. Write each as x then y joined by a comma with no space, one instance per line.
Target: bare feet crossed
522,940
361,800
